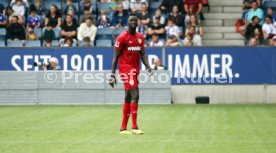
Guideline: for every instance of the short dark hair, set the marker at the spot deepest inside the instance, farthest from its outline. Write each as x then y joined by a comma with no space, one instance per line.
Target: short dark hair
89,18
269,17
254,17
70,15
86,39
86,8
15,16
68,38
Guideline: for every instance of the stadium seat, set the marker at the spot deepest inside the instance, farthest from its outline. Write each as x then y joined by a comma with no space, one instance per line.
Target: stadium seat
269,4
2,31
105,6
48,4
155,4
103,43
81,43
2,34
38,32
118,31
57,33
104,33
2,44
5,3
33,43
14,43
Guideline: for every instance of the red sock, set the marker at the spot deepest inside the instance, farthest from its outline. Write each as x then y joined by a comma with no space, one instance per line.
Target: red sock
126,113
134,111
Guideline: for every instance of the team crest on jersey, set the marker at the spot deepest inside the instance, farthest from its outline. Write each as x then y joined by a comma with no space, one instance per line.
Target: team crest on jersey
140,41
131,82
117,44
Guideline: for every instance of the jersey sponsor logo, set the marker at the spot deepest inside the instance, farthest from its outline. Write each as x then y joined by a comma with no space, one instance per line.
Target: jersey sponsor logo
117,44
140,41
133,49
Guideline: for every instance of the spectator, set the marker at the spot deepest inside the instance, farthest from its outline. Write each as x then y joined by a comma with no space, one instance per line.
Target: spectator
87,29
190,13
53,17
135,5
85,6
68,42
156,28
86,42
49,34
252,42
113,5
188,41
141,28
53,65
25,2
269,31
196,39
19,7
172,41
167,5
193,7
155,41
86,14
70,6
271,13
158,65
172,29
177,17
10,14
103,21
240,25
33,19
160,15
16,31
258,37
48,43
120,17
38,7
274,41
72,13
31,34
252,27
259,2
255,11
194,22
3,19
144,15
69,29
125,4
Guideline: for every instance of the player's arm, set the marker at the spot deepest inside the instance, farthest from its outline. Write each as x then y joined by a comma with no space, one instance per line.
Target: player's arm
145,60
112,80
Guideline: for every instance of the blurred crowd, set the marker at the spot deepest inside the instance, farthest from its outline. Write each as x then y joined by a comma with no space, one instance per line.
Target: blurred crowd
258,23
80,23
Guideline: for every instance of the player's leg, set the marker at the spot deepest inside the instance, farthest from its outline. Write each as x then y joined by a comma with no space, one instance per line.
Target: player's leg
134,109
126,110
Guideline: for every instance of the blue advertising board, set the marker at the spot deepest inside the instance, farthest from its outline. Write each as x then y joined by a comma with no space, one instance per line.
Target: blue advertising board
214,65
222,65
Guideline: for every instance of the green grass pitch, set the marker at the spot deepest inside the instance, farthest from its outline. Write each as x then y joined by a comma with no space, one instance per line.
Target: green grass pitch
168,129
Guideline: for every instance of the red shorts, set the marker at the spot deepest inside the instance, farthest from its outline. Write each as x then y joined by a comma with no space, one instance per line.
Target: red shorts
130,81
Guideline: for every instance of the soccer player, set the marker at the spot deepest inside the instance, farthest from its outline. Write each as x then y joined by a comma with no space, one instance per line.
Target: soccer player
129,48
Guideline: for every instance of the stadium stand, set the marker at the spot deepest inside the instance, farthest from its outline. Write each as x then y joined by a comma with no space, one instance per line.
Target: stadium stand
219,24
218,19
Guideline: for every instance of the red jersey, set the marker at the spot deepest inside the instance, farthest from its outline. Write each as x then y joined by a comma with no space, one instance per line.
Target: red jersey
130,46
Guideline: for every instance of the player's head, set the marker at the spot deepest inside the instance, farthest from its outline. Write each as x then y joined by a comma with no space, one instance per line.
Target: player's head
132,22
